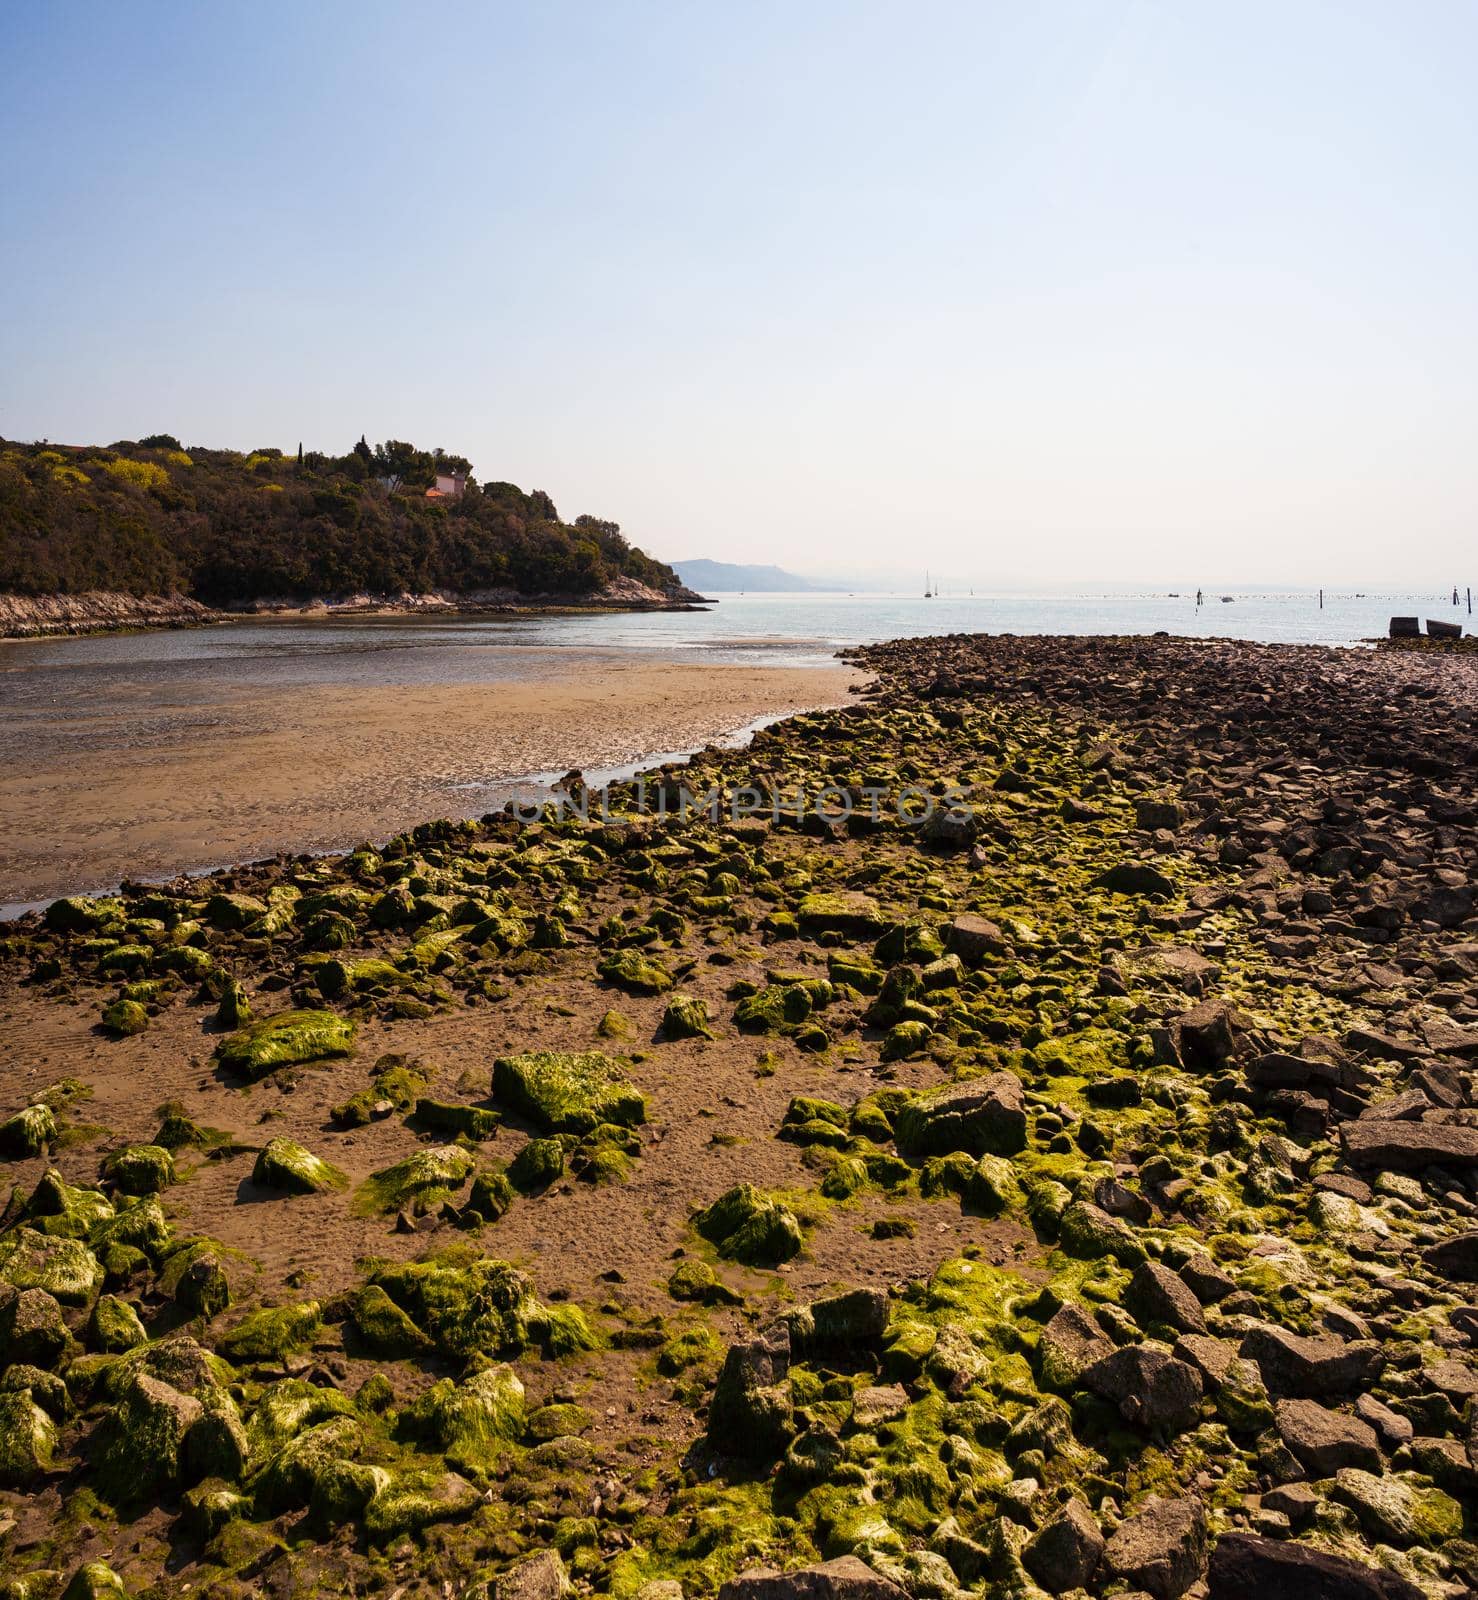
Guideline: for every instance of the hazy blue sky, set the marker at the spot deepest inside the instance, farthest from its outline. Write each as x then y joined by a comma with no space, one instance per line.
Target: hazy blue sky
1149,291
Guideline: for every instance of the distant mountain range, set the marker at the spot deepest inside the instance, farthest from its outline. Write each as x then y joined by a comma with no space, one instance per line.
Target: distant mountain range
703,575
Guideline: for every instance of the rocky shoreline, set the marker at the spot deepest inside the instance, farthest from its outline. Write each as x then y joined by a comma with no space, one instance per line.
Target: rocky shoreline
97,611
54,616
1073,1193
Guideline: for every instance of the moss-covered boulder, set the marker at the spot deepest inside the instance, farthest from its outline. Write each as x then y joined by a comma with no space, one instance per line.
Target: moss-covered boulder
383,1328
32,1329
396,1086
696,1280
203,1289
453,1120
746,1225
140,1169
842,911
419,1183
66,1211
27,1133
567,1091
272,1332
686,1018
371,976
283,1164
635,973
27,1439
414,1500
471,1423
984,1116
65,1268
95,1580
123,1017
114,1326
140,1446
232,912
482,1307
287,1039
540,1163
78,914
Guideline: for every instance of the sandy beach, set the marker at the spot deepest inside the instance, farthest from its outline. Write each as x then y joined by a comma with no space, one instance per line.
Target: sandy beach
147,790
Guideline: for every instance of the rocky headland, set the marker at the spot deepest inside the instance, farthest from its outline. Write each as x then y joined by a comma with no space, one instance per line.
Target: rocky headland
1056,1174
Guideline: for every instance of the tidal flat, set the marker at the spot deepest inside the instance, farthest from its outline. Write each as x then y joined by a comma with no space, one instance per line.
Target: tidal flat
1074,1194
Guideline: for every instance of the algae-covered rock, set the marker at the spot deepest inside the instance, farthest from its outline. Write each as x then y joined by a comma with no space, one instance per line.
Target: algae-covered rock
234,1010
482,1306
686,1018
696,1280
27,1439
289,1038
845,911
396,1086
124,1017
232,912
282,1164
746,1225
95,1580
79,914
203,1289
65,1268
114,1326
415,1500
454,1120
472,1423
1085,1230
540,1163
66,1211
905,1039
140,1169
984,1116
384,1328
419,1183
270,1333
140,1446
751,1414
635,973
1399,1508
614,1025
568,1091
27,1133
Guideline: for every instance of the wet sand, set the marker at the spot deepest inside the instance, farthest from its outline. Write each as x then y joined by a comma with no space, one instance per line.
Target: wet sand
141,788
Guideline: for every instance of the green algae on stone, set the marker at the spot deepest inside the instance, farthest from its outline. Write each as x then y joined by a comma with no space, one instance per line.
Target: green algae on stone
635,973
472,1423
841,911
124,1017
540,1163
454,1120
65,1268
384,1328
686,1018
615,1025
565,1091
415,1500
746,1225
396,1085
419,1183
290,1038
696,1280
232,912
478,1305
27,1439
140,1169
272,1332
283,1164
114,1326
27,1133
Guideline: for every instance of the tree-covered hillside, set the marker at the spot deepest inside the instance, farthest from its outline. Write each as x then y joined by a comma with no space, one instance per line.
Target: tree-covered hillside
154,518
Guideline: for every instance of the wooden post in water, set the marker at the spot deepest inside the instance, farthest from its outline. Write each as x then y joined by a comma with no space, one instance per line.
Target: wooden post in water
1321,599
1470,599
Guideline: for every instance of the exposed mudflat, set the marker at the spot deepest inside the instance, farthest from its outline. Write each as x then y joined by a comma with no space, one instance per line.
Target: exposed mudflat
1074,1194
160,775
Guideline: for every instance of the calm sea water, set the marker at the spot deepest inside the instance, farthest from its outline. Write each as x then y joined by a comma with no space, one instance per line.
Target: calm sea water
778,629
